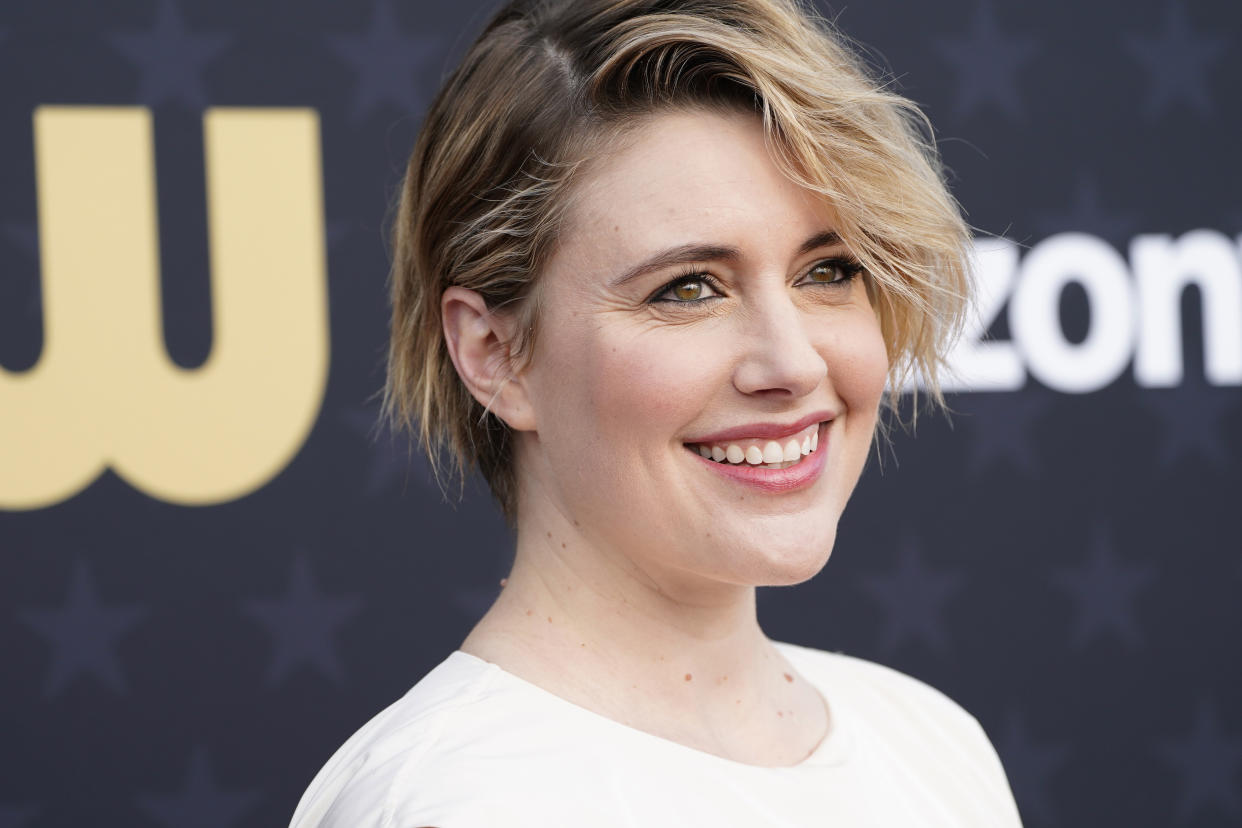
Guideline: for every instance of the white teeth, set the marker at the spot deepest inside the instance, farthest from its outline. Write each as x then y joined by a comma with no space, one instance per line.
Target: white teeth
792,451
772,452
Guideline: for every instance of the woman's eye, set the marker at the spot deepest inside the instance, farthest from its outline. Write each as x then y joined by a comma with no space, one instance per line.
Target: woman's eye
688,290
829,272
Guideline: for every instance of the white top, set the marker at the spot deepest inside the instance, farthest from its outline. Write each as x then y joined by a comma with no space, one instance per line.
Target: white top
473,746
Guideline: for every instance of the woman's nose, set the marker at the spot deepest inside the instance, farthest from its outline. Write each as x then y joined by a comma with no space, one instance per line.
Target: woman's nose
778,353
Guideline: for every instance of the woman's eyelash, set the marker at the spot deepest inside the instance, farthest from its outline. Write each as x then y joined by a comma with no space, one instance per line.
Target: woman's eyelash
689,276
849,267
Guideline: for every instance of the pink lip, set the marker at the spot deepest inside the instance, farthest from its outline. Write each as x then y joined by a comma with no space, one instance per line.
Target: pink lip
775,481
769,431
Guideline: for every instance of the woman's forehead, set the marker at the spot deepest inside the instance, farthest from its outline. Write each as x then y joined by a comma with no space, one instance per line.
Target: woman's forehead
690,176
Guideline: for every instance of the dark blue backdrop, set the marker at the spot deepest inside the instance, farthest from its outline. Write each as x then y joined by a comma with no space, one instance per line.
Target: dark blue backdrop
1063,559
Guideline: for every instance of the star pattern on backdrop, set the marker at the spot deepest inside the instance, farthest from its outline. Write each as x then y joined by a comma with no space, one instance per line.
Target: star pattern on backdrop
1207,762
1030,766
913,597
390,459
83,634
170,59
1000,431
1178,61
1104,588
83,628
303,624
1086,213
391,65
1193,416
24,237
987,62
200,802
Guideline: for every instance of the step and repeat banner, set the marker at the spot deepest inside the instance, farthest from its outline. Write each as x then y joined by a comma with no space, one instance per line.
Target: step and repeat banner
214,567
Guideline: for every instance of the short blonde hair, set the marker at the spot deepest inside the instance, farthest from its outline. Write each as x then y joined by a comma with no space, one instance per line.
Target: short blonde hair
548,83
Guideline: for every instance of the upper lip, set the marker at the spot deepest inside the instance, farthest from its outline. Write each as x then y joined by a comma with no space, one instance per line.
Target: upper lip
771,431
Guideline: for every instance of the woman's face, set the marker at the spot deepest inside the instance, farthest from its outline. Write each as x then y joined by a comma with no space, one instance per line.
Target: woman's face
699,300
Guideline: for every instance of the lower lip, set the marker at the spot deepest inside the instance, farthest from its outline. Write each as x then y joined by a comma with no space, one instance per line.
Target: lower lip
798,476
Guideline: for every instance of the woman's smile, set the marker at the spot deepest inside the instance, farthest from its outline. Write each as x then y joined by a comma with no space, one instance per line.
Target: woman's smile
767,456
773,466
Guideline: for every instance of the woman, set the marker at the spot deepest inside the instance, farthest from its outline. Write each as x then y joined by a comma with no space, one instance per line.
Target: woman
655,265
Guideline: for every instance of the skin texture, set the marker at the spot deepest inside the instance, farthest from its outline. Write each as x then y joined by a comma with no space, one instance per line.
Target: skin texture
632,592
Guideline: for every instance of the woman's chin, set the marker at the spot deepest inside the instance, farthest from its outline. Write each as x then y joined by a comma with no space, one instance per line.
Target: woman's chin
785,559
791,571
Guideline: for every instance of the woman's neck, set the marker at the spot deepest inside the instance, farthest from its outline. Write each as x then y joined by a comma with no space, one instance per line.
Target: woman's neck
650,651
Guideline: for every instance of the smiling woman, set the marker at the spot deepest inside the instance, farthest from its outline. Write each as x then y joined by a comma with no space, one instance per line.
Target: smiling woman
740,348
654,266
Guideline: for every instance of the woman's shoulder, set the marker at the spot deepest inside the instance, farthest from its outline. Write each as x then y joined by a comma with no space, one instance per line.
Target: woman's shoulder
852,670
356,786
901,727
881,698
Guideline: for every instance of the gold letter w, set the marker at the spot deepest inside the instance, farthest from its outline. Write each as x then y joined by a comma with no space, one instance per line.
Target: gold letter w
104,392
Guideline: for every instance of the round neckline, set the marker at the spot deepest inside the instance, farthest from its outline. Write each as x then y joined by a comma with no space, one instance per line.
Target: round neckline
833,749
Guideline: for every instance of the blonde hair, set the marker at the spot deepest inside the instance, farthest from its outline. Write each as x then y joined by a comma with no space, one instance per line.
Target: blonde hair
550,82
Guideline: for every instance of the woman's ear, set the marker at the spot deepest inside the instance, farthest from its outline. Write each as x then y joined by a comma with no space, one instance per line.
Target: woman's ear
478,342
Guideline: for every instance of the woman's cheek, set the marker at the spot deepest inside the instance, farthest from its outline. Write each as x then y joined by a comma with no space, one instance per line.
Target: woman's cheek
863,363
657,372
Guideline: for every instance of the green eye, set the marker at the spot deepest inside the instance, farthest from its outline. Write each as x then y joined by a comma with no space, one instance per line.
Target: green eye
825,273
835,272
688,290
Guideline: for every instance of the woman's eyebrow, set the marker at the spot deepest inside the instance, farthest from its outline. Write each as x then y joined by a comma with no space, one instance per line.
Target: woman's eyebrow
686,253
679,255
824,238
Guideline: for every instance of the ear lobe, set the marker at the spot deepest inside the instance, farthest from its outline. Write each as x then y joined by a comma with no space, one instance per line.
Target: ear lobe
478,342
